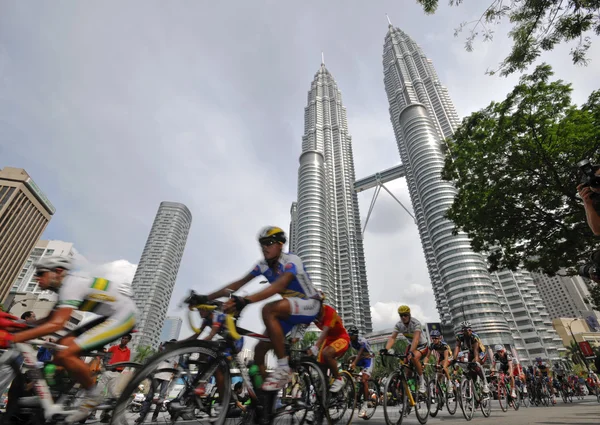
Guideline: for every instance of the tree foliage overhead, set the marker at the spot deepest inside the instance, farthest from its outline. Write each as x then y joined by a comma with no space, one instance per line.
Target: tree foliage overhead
538,25
514,165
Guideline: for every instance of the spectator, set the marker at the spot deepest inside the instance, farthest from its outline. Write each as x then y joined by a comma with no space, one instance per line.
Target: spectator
109,379
29,317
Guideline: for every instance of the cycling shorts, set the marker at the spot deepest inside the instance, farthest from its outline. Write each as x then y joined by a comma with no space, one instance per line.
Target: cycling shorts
482,356
504,367
301,312
339,345
107,329
366,363
422,348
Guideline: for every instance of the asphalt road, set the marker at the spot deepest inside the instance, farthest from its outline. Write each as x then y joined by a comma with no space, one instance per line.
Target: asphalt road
580,412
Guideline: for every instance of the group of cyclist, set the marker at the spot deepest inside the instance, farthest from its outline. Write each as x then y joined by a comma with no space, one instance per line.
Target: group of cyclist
300,305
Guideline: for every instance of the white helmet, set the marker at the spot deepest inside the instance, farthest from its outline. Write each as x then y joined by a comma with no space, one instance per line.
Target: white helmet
499,347
46,264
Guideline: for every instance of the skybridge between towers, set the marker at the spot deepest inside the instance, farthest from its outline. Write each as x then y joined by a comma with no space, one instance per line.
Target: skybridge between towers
378,181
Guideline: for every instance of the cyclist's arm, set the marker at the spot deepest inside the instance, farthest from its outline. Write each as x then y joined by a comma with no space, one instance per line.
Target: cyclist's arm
213,331
55,323
358,356
391,340
234,286
322,337
276,287
457,348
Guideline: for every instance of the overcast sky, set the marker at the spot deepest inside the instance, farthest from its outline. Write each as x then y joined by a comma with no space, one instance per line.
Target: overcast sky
113,107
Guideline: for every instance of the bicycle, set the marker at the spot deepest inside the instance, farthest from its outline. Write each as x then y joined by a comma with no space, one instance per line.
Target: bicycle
504,395
402,393
370,405
438,393
210,362
342,404
471,392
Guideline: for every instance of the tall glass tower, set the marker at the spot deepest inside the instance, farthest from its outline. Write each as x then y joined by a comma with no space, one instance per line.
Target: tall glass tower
157,271
325,230
422,116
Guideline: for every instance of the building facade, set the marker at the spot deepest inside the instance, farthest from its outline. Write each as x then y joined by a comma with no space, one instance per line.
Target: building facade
527,317
325,223
422,116
171,329
157,270
565,296
576,330
25,281
24,214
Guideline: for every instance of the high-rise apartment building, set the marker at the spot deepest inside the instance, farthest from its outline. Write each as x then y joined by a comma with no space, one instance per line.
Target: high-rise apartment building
25,281
325,230
24,214
422,116
157,270
527,317
565,296
171,328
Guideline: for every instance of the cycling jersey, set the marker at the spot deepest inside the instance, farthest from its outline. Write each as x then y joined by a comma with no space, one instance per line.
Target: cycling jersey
361,342
109,300
408,331
543,367
467,342
441,350
333,321
503,360
300,287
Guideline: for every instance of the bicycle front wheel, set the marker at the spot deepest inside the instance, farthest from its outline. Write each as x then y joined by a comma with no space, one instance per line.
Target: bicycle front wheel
394,398
192,385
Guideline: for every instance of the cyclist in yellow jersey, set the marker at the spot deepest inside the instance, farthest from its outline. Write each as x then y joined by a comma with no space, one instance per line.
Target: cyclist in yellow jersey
109,300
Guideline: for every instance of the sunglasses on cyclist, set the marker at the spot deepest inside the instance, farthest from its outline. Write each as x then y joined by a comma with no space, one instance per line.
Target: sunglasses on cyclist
267,242
405,315
40,273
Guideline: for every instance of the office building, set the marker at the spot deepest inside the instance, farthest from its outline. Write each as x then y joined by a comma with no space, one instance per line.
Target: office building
565,296
25,281
576,330
422,116
325,229
24,214
527,317
171,329
157,270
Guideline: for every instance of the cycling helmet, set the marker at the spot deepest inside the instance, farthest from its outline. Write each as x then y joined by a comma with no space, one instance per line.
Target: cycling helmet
404,309
321,295
465,325
499,347
435,334
46,264
272,233
353,331
538,359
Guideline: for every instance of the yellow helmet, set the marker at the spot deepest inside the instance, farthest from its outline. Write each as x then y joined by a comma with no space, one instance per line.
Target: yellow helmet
404,309
272,232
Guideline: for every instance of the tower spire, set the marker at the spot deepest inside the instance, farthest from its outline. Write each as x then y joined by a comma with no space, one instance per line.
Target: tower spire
322,58
388,18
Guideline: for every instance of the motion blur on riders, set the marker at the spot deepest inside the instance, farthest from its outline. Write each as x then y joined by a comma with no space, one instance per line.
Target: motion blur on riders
300,303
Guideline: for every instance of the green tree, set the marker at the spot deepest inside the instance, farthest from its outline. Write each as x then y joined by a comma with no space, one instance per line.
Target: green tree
594,298
143,353
514,166
537,26
309,339
574,353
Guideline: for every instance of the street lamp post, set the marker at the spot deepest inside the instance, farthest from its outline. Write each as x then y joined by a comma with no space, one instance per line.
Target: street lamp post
578,347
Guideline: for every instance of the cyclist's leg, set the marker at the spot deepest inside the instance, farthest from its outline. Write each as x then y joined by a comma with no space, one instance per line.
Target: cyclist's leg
260,351
330,352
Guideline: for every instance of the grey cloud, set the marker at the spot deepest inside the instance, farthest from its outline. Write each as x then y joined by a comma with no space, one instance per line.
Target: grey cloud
114,107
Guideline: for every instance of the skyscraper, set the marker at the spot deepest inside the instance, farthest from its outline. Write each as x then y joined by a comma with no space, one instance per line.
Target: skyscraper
325,230
157,271
422,115
171,329
24,214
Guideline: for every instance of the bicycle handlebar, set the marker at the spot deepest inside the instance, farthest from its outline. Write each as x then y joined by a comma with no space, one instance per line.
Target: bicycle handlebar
229,319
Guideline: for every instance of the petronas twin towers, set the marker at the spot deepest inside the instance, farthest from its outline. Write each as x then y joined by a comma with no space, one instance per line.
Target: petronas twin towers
325,227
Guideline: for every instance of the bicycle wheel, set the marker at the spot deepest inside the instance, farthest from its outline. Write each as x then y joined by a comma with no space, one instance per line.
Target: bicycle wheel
341,405
394,398
502,397
194,399
467,398
422,405
452,399
312,371
485,404
436,399
524,396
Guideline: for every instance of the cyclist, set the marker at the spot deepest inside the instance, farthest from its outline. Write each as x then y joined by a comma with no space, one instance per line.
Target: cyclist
559,373
506,365
469,340
300,303
443,353
411,329
332,343
364,360
110,301
542,370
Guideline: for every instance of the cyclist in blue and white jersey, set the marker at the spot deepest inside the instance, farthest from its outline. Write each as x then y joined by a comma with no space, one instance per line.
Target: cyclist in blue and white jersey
300,304
364,360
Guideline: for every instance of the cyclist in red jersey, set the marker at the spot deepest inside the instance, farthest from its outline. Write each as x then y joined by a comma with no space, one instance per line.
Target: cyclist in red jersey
332,343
